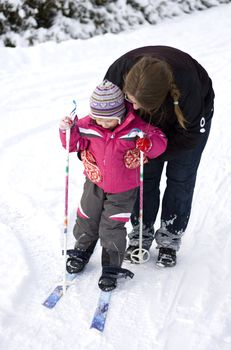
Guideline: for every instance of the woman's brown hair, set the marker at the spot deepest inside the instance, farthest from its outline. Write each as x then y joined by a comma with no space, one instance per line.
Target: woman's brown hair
149,81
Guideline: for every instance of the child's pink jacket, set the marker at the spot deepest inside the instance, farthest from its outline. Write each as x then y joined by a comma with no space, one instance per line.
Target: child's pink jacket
109,147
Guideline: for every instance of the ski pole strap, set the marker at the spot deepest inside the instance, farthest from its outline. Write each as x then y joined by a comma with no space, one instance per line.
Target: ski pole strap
116,272
73,112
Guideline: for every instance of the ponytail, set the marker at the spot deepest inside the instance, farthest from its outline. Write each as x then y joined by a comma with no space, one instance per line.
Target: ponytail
175,94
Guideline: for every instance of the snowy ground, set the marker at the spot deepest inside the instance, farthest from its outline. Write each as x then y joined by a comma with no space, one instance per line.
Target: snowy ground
188,306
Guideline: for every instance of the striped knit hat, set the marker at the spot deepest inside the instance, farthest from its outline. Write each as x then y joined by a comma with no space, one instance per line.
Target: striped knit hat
107,101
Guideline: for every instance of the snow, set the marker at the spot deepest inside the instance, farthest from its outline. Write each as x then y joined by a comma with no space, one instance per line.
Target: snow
188,306
27,23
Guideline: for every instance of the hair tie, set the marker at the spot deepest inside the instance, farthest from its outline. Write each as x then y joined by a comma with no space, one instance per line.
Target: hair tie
175,102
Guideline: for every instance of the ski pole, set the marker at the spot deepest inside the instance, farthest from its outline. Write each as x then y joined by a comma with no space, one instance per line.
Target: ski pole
68,132
140,255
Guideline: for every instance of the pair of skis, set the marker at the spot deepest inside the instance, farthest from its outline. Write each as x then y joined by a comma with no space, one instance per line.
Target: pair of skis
99,318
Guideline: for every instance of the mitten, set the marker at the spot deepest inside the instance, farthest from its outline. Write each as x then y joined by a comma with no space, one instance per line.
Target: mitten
91,168
144,144
65,123
132,158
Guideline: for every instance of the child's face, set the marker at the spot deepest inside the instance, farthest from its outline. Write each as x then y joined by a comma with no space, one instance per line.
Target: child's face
107,123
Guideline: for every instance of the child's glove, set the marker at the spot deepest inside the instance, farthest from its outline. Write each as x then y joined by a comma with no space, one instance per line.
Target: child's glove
66,123
144,144
132,158
91,168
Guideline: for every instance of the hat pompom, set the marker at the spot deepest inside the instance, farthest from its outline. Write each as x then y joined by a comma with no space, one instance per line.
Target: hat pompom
107,101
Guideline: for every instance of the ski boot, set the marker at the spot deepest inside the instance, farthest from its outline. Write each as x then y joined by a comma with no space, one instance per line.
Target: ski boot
110,274
78,258
166,257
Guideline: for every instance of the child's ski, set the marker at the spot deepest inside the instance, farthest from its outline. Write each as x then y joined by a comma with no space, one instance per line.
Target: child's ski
100,315
57,293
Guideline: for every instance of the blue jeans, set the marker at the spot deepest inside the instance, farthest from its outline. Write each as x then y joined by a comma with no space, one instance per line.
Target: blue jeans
181,175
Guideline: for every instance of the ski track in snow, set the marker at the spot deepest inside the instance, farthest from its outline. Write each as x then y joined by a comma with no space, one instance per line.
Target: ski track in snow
185,307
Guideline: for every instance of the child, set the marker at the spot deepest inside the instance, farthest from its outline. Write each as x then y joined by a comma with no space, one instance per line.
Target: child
109,149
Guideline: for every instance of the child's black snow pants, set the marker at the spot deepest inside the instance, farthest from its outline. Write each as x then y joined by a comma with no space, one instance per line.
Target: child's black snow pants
104,215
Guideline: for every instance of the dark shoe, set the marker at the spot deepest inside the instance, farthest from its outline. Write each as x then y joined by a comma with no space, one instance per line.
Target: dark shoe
78,258
166,257
108,280
107,283
76,261
110,274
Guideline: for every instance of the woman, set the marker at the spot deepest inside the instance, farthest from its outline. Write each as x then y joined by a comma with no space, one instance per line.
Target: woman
171,90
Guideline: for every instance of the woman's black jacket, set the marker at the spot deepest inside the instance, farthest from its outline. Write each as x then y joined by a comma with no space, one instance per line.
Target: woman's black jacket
196,101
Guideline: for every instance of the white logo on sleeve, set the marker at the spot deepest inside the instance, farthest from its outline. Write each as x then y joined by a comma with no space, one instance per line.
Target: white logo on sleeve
202,124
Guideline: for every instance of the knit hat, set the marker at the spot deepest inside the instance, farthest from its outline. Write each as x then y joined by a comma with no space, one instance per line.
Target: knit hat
107,101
